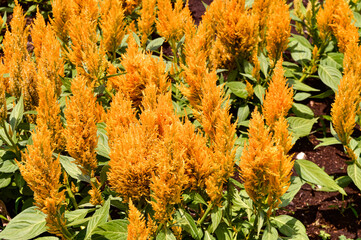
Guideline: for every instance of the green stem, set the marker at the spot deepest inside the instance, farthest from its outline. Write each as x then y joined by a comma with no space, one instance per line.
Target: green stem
158,229
70,193
210,206
63,229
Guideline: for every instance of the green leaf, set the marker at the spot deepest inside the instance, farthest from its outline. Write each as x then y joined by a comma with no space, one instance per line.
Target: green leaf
223,232
75,215
47,238
290,227
270,233
72,169
302,110
334,60
354,172
263,64
16,115
103,147
26,225
330,76
357,18
116,229
216,216
301,127
297,85
299,52
100,217
165,234
243,113
296,184
5,180
301,96
327,142
155,44
259,91
208,236
238,89
312,173
187,223
8,166
303,41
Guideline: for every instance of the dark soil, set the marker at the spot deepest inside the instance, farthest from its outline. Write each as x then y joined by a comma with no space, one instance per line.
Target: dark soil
327,212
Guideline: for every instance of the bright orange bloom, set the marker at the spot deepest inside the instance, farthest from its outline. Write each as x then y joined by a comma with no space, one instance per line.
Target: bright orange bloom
112,24
137,228
42,172
88,57
48,112
81,129
279,97
278,30
62,12
147,19
120,115
141,70
48,52
262,10
265,168
172,22
337,17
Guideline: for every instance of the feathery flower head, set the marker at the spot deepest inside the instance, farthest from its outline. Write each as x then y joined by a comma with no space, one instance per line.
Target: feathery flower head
62,12
137,227
279,97
344,108
264,167
278,30
147,19
42,172
141,70
171,22
112,24
81,130
48,112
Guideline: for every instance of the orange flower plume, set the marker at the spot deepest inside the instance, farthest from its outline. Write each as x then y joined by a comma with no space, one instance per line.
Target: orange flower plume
81,129
42,172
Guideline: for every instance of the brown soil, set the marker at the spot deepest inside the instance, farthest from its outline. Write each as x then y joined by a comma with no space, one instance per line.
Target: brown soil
319,211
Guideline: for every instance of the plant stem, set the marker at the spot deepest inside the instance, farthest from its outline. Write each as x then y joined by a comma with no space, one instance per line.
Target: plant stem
70,193
210,206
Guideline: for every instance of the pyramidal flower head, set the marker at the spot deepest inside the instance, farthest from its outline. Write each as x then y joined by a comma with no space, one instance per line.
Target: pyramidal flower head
112,24
81,129
147,19
278,30
279,97
42,172
137,227
264,167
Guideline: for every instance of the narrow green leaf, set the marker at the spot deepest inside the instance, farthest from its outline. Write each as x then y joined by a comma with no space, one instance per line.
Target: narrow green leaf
330,76
243,113
187,223
259,91
8,166
303,41
302,110
301,96
26,225
312,173
216,216
296,184
116,229
301,127
238,89
155,44
290,227
327,142
297,85
5,180
165,234
72,169
354,173
333,59
208,236
100,217
16,115
299,52
103,147
270,233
